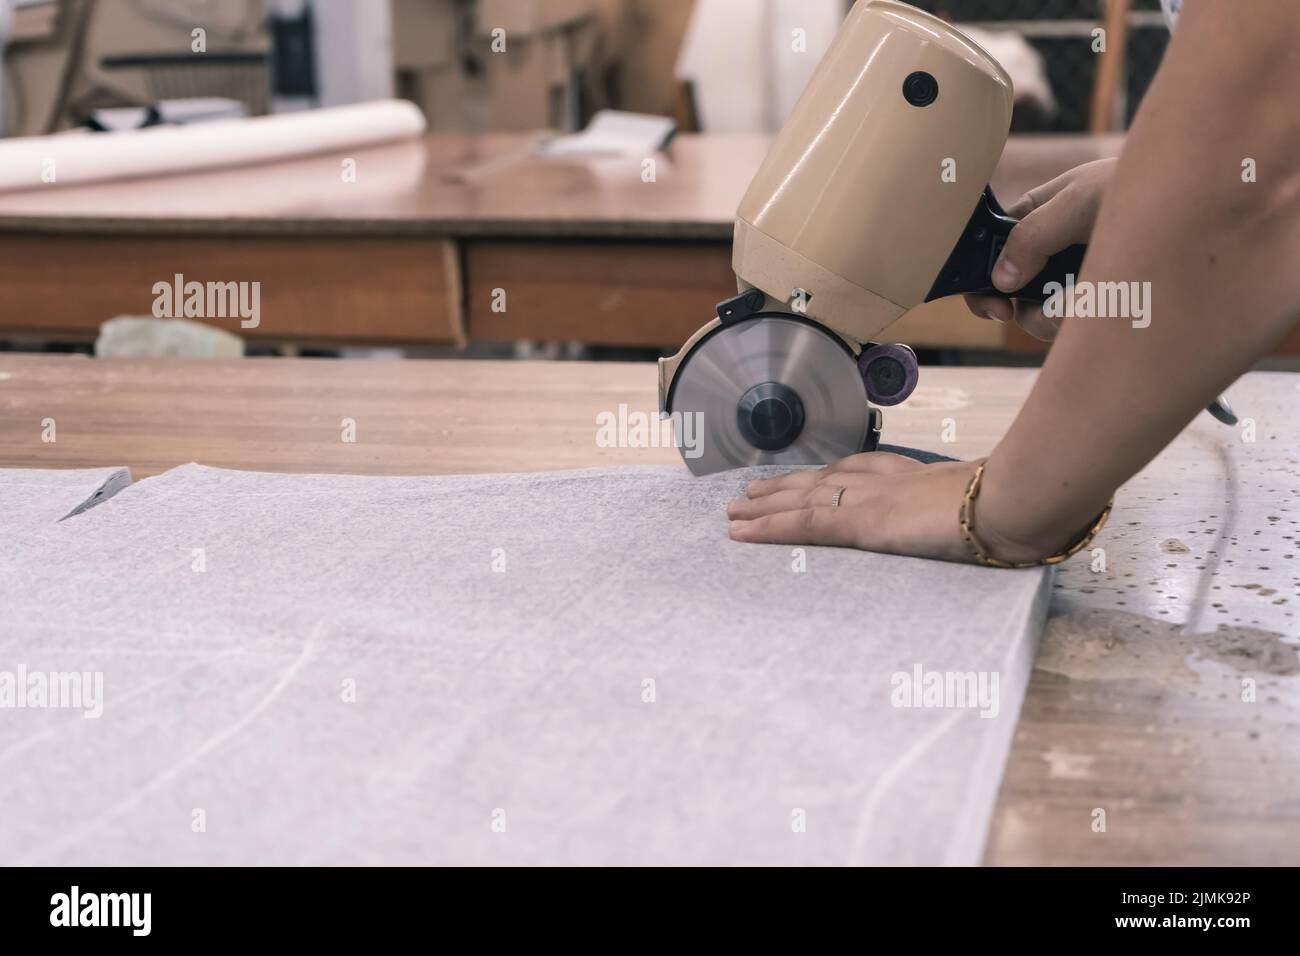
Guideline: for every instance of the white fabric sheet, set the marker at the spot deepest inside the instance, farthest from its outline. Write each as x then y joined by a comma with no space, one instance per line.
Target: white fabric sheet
569,667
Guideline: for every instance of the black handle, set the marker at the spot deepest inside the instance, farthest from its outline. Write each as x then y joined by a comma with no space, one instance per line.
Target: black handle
969,268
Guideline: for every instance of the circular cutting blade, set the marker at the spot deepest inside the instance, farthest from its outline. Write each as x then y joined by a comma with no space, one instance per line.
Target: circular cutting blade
796,353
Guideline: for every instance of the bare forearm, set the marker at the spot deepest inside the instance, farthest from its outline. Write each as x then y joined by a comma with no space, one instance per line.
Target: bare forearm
1221,256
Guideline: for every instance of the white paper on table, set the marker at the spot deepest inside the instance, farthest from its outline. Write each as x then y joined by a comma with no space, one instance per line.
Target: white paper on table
614,133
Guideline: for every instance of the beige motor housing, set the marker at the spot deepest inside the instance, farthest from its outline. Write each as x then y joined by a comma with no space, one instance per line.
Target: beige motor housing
858,203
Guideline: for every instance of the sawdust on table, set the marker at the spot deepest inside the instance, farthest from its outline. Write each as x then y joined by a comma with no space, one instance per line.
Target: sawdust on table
1103,644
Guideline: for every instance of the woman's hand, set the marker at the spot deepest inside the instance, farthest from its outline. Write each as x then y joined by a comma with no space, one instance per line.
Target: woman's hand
1111,394
1052,217
890,503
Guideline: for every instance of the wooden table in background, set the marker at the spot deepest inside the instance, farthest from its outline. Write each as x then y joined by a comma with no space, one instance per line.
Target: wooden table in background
1136,704
413,251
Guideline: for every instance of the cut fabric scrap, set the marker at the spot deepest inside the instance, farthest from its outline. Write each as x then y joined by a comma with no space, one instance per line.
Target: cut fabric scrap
33,498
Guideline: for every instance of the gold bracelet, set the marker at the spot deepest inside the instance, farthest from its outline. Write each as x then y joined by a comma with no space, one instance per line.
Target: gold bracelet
966,519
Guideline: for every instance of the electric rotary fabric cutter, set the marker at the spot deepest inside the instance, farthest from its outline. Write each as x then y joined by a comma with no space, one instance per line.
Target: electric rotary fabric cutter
872,200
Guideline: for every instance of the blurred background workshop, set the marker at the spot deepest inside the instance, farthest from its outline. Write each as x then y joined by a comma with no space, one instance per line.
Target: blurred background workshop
517,179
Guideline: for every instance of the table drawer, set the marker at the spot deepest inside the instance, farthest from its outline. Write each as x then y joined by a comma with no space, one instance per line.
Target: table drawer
311,290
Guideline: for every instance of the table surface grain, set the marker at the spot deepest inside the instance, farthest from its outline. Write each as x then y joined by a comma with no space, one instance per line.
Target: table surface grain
467,185
1166,693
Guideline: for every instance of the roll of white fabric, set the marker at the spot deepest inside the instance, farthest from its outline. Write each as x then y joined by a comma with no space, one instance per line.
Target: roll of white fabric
77,158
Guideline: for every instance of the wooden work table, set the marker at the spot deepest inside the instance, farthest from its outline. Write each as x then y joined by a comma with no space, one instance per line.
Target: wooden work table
412,252
1136,703
469,185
